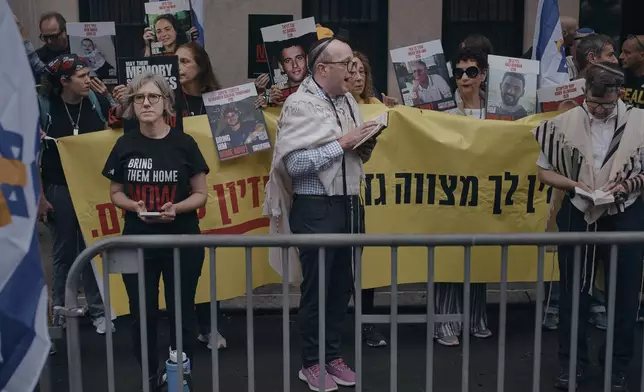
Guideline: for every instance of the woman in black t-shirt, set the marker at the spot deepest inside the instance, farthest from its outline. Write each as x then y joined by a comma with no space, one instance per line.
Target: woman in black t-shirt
158,169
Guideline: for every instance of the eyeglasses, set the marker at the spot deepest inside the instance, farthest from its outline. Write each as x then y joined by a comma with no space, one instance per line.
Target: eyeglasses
152,98
351,65
50,37
639,43
603,105
471,72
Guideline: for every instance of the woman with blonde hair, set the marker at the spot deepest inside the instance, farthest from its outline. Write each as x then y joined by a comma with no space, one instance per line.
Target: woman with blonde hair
158,177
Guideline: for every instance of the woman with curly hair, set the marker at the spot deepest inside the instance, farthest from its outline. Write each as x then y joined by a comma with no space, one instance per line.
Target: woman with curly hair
362,84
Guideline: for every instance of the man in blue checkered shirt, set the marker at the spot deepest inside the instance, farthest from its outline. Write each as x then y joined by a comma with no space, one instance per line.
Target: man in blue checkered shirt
320,173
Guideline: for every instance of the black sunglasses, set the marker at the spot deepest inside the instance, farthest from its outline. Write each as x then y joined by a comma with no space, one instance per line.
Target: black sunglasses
50,37
471,72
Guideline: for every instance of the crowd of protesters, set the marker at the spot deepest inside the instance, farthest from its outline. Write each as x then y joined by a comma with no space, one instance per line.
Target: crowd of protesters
72,102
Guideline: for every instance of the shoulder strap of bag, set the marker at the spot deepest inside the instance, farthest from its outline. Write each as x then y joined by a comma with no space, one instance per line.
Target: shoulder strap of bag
96,105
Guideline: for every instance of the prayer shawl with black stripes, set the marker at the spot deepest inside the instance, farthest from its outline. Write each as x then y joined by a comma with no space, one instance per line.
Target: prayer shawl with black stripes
566,141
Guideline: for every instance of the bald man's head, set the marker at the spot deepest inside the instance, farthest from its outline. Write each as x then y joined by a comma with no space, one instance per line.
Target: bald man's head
333,67
632,55
569,26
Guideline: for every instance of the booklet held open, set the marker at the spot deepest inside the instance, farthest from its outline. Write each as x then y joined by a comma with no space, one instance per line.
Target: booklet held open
382,122
598,197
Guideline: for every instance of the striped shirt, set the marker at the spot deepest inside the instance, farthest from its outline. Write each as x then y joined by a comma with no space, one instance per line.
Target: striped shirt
303,165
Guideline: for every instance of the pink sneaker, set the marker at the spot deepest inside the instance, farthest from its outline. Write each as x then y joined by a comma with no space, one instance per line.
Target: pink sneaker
311,376
341,373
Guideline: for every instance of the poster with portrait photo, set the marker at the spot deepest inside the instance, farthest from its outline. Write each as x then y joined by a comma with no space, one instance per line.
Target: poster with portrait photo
422,75
167,19
238,128
287,45
257,60
165,66
562,97
512,88
95,42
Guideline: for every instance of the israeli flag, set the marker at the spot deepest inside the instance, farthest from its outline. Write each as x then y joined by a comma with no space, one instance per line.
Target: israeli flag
197,16
548,45
24,338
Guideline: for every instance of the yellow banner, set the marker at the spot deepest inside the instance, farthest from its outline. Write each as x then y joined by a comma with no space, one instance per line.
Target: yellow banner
430,173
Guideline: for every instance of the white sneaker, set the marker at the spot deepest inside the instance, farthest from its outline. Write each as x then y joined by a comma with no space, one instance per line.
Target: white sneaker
101,325
221,341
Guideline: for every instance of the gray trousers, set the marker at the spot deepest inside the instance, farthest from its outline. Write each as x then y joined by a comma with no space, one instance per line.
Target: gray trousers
68,242
449,300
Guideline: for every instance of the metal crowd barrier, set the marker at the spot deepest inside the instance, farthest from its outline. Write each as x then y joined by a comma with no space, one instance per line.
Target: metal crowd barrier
357,241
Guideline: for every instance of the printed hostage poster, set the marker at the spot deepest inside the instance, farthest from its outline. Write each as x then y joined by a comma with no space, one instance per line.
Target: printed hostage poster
422,75
238,128
96,43
287,46
166,66
512,88
170,21
257,60
562,97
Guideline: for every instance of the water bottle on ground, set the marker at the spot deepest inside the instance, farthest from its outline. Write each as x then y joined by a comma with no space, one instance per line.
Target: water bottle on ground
172,371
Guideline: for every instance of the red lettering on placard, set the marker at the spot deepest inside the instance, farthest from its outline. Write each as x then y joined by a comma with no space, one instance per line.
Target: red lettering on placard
108,219
223,206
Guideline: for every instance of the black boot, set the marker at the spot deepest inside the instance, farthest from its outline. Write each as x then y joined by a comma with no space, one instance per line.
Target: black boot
563,379
618,382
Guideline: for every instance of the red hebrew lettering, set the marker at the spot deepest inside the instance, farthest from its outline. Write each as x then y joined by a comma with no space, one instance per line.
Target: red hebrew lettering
223,206
254,183
242,187
109,225
233,196
201,212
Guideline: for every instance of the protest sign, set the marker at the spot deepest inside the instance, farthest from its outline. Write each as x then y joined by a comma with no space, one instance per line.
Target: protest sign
174,22
512,88
238,128
287,47
95,42
422,74
562,97
257,59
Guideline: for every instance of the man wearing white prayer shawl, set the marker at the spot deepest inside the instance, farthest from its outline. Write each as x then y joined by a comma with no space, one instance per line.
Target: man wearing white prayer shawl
598,146
314,187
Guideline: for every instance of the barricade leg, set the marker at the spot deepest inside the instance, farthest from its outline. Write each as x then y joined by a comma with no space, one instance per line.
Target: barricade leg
503,309
574,332
466,320
143,321
357,300
429,377
286,336
178,315
322,316
393,352
536,366
610,333
213,321
109,345
250,341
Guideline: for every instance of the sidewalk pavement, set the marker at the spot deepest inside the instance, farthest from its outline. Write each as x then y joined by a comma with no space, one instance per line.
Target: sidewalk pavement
410,368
